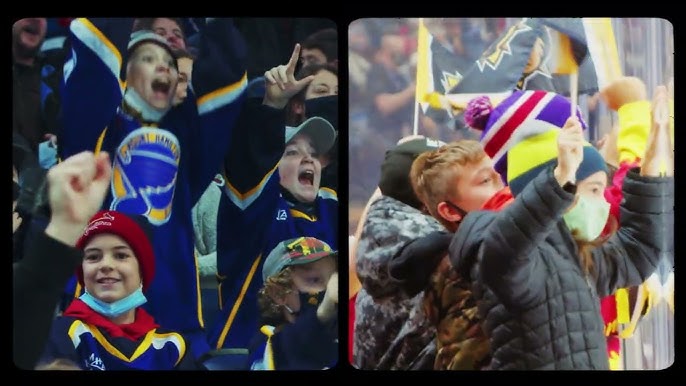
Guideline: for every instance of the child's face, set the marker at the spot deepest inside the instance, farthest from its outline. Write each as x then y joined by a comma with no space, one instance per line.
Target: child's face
313,277
110,268
153,73
325,83
477,183
185,78
300,169
308,278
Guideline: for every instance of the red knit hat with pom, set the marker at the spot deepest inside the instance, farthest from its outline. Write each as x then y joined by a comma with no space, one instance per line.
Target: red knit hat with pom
133,230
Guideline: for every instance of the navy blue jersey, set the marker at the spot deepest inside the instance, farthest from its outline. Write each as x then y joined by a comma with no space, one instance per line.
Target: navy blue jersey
306,344
94,349
253,217
244,238
159,170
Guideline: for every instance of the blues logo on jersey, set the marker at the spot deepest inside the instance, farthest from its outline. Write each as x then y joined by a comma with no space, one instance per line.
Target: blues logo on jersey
144,174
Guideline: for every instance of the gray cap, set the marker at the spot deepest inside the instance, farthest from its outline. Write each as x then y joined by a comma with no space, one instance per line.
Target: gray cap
318,129
147,36
302,250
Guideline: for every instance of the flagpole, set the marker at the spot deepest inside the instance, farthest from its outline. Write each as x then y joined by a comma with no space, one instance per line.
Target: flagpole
416,115
415,126
574,90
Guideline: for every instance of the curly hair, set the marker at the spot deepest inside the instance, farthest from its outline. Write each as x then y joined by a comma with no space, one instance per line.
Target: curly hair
279,286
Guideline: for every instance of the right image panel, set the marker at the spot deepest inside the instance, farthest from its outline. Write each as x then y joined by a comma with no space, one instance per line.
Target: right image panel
511,193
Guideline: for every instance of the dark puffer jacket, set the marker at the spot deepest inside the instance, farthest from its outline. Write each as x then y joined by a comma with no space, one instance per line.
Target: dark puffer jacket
539,309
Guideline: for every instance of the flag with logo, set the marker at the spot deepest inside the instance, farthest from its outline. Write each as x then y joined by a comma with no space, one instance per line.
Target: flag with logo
569,54
438,68
529,56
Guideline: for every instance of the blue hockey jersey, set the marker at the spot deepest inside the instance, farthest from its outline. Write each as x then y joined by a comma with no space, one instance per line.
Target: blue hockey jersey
160,169
93,349
253,217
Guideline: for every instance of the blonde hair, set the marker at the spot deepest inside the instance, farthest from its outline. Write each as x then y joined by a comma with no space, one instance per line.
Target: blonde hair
434,173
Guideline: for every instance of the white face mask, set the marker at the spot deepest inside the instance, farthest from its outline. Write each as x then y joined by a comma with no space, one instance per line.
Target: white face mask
588,217
136,102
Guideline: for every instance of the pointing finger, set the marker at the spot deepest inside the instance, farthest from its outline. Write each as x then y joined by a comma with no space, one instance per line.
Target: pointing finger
294,58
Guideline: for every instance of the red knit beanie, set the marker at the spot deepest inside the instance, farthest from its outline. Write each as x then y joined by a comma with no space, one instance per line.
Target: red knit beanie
132,231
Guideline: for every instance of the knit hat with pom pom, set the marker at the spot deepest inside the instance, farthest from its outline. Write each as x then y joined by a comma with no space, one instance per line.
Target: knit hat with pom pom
520,134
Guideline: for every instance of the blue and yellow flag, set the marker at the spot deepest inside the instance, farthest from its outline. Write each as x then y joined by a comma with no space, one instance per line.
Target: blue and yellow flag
533,54
438,68
569,54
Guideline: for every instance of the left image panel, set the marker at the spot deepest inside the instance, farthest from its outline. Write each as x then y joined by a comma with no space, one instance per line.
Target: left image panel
175,193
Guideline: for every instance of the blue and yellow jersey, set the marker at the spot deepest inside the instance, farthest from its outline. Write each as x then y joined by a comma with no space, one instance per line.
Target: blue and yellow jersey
253,216
306,344
160,170
93,349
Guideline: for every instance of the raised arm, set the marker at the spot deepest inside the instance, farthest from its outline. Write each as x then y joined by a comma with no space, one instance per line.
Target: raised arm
259,139
647,212
510,263
77,189
219,83
92,87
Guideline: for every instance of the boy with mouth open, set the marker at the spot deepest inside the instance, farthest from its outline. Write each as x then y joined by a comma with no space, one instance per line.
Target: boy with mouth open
164,156
272,193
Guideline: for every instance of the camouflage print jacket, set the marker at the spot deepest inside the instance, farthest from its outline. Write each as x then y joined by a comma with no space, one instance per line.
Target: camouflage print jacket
391,330
451,306
448,303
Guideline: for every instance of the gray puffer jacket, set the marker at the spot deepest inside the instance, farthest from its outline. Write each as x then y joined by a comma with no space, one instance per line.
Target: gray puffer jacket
392,332
539,309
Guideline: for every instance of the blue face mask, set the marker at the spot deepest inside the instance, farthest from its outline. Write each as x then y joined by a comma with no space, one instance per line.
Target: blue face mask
47,154
116,308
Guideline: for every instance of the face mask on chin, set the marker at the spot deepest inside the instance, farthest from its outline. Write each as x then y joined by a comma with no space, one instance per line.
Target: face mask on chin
146,111
118,307
588,217
499,200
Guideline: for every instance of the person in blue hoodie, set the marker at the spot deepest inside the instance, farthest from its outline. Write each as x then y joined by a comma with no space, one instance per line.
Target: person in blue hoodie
163,156
298,308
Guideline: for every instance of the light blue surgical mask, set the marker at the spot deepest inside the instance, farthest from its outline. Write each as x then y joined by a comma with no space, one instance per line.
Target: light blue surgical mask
588,217
118,307
47,154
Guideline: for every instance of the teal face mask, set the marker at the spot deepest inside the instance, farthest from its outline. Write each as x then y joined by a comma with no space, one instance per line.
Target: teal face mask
588,217
116,308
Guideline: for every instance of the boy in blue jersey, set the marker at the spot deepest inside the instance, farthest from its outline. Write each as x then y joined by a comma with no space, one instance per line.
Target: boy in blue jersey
299,307
163,157
272,193
105,328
